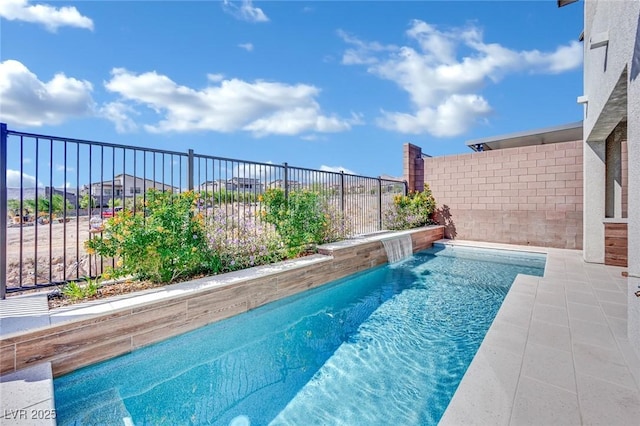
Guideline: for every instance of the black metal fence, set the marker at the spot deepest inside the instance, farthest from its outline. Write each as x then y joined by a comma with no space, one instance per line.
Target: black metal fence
54,189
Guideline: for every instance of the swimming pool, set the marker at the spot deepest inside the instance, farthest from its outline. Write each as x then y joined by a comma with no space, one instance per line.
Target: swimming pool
389,344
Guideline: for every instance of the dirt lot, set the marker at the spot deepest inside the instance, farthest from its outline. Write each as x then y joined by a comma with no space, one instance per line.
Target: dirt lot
47,243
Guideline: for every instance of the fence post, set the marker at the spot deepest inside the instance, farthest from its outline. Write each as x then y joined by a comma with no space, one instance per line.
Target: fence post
342,192
379,203
190,170
3,210
286,181
406,188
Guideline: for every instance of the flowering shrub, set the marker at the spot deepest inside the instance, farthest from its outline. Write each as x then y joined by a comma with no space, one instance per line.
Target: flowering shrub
224,196
243,243
169,242
410,211
302,220
181,235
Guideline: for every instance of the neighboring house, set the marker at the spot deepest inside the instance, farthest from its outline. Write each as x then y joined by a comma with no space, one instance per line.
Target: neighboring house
69,194
213,185
41,192
123,186
292,185
233,184
246,184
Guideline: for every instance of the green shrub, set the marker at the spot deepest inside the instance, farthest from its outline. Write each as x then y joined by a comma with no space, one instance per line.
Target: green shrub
87,202
167,243
243,243
302,220
77,291
223,196
410,211
56,204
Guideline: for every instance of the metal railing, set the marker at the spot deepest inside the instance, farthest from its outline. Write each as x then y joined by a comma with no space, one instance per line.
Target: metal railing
51,188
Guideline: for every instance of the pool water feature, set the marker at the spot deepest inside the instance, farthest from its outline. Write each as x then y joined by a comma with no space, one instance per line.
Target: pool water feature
389,344
398,247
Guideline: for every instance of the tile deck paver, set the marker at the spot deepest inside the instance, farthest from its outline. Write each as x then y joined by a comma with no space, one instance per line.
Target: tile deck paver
577,366
557,352
27,397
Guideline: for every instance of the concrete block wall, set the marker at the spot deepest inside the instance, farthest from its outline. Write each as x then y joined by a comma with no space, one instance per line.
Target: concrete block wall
530,195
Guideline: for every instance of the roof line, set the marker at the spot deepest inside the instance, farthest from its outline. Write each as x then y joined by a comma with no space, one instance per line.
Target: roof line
575,125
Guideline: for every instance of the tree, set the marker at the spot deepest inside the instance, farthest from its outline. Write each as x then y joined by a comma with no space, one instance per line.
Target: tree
55,204
114,202
87,202
14,207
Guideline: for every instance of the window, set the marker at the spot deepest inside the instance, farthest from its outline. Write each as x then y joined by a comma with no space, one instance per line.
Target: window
135,190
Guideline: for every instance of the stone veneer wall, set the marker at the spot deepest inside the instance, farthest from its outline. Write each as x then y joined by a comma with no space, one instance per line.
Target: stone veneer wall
530,195
413,165
78,343
615,244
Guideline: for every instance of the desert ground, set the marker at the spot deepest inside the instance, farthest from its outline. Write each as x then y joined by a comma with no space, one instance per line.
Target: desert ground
47,243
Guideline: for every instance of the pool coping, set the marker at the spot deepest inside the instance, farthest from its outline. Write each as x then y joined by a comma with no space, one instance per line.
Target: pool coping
557,351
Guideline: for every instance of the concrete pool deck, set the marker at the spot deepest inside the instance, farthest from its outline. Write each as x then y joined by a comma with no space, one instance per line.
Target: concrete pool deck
556,353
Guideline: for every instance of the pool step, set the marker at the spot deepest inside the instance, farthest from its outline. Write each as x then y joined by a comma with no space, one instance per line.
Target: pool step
106,406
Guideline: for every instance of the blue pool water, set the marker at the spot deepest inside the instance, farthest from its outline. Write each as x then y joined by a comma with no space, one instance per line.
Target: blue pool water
386,346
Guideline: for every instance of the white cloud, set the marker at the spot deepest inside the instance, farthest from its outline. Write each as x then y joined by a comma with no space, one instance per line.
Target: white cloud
215,78
444,85
246,11
30,102
337,169
259,107
263,172
298,120
565,58
51,17
311,137
62,168
13,180
455,113
361,53
119,113
246,46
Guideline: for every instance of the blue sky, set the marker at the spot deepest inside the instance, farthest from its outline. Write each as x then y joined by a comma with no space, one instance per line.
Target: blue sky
334,85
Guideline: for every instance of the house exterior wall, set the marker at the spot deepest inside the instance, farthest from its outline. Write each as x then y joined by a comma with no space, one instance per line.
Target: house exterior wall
612,90
530,195
127,185
625,178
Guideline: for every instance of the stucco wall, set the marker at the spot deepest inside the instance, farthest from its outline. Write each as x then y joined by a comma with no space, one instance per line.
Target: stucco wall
530,195
625,179
612,88
604,65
